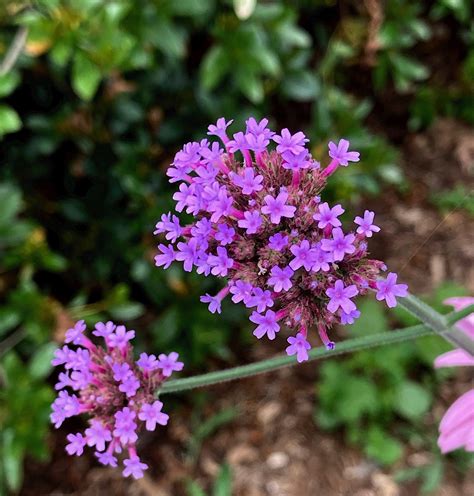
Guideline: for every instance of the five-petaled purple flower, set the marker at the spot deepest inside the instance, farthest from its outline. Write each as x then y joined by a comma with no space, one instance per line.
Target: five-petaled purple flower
299,346
341,154
266,324
280,278
328,216
277,208
366,224
388,289
340,297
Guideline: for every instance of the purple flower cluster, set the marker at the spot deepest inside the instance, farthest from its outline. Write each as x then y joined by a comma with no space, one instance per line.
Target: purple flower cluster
260,223
116,392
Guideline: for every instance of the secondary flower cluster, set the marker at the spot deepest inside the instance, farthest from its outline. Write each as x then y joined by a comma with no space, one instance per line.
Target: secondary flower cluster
114,390
457,426
261,224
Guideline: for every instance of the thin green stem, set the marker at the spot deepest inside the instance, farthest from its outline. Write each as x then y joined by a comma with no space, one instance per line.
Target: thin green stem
437,322
356,344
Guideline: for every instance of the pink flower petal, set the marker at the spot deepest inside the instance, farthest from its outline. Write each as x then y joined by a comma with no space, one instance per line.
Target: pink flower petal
454,358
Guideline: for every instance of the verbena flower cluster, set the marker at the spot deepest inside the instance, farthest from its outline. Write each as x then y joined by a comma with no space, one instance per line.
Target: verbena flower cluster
116,392
261,224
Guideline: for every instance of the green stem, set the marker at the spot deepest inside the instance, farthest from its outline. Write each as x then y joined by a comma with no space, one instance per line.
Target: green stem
437,322
279,362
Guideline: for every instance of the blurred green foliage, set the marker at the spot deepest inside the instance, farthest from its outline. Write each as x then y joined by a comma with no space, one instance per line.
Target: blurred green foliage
381,397
97,100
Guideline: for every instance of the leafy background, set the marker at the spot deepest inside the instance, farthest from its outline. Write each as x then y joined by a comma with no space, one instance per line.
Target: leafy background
92,110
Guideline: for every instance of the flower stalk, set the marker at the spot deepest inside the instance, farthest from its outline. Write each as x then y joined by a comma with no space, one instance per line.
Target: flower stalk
349,346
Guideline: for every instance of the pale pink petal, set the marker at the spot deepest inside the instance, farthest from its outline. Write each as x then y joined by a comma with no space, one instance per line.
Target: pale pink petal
460,302
454,358
457,426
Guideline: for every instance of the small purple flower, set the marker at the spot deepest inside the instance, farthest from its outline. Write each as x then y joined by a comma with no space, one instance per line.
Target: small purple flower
221,206
152,415
104,330
257,143
366,225
280,278
288,143
296,162
303,256
388,289
147,362
170,224
267,324
249,182
130,385
188,253
134,467
219,129
277,208
182,199
257,128
214,302
251,222
202,229
75,335
299,346
349,318
64,381
97,435
169,363
340,297
278,241
241,291
167,256
106,459
120,337
220,263
339,245
328,216
225,234
76,444
61,356
125,426
239,143
260,299
321,259
121,371
341,153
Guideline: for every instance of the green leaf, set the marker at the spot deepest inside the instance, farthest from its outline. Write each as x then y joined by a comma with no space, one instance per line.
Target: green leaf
13,454
194,489
251,87
382,447
127,311
86,76
372,318
8,82
301,86
412,400
213,67
223,484
40,364
9,120
9,318
10,201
